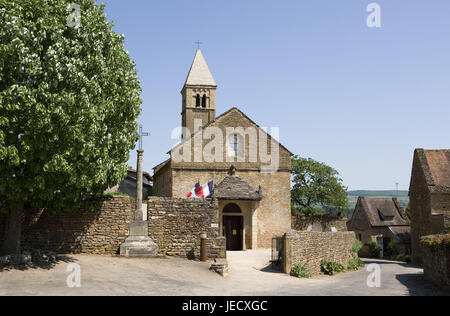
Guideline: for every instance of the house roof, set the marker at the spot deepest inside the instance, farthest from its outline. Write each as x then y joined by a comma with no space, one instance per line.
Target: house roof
160,166
199,74
402,233
383,211
147,178
436,168
234,188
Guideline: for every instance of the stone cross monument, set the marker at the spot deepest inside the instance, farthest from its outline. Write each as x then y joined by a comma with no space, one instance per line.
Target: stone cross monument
138,243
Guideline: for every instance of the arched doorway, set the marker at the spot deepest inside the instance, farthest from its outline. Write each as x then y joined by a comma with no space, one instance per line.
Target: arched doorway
233,226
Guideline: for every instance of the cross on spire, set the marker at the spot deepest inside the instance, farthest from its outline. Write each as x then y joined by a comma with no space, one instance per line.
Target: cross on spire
198,44
141,135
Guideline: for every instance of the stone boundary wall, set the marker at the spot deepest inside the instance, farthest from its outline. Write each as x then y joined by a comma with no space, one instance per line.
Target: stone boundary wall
436,259
310,248
98,231
175,225
301,222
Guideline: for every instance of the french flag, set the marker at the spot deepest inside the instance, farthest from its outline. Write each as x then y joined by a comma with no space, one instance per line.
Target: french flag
201,190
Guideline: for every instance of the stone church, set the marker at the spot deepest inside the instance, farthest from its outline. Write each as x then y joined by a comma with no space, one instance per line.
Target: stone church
253,192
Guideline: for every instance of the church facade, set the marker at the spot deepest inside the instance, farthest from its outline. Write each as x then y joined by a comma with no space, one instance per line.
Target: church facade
250,169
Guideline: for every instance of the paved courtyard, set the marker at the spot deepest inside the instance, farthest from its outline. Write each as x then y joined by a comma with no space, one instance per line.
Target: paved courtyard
250,274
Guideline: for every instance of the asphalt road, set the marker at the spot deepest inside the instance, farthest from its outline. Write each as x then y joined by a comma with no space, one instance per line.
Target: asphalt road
250,274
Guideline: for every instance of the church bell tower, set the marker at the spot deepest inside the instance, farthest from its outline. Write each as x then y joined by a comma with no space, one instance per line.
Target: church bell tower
199,94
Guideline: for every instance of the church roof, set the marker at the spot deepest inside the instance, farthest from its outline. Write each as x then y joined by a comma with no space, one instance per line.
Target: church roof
436,168
199,74
234,188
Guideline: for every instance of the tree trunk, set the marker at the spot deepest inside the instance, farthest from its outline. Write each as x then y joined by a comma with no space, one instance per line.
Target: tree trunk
13,230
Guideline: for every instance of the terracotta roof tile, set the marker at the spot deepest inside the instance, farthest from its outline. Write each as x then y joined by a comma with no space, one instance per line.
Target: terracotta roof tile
435,165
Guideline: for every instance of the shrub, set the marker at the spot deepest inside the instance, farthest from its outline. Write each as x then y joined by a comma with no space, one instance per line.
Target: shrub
300,270
436,240
357,245
374,250
396,248
118,193
355,264
330,268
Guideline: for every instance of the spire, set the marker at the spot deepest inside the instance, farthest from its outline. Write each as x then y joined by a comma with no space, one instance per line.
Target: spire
199,74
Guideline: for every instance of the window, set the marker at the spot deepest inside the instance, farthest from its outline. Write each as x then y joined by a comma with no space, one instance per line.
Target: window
385,217
233,145
204,101
197,101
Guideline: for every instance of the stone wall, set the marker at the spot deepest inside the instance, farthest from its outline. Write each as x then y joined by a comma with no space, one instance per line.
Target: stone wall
310,248
440,204
2,227
176,224
420,205
325,221
99,230
436,259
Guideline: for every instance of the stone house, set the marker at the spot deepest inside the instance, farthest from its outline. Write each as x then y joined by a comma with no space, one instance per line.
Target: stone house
380,220
254,197
429,195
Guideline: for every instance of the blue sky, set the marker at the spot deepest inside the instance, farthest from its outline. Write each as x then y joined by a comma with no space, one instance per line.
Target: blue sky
357,98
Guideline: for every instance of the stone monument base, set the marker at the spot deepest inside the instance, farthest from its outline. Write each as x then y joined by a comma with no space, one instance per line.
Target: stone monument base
139,244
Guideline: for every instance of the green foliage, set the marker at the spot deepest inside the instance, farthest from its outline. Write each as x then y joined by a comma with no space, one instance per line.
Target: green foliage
118,193
331,268
316,186
69,100
395,248
150,192
356,247
438,240
408,210
300,270
355,264
309,210
374,249
406,258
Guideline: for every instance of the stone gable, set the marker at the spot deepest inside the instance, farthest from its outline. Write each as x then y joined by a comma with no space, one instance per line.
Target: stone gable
233,118
429,195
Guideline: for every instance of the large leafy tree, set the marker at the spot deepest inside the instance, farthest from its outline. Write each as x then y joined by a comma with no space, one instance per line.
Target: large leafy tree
316,187
69,100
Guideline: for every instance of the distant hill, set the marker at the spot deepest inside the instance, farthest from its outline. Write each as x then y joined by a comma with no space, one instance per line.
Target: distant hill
375,193
402,196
